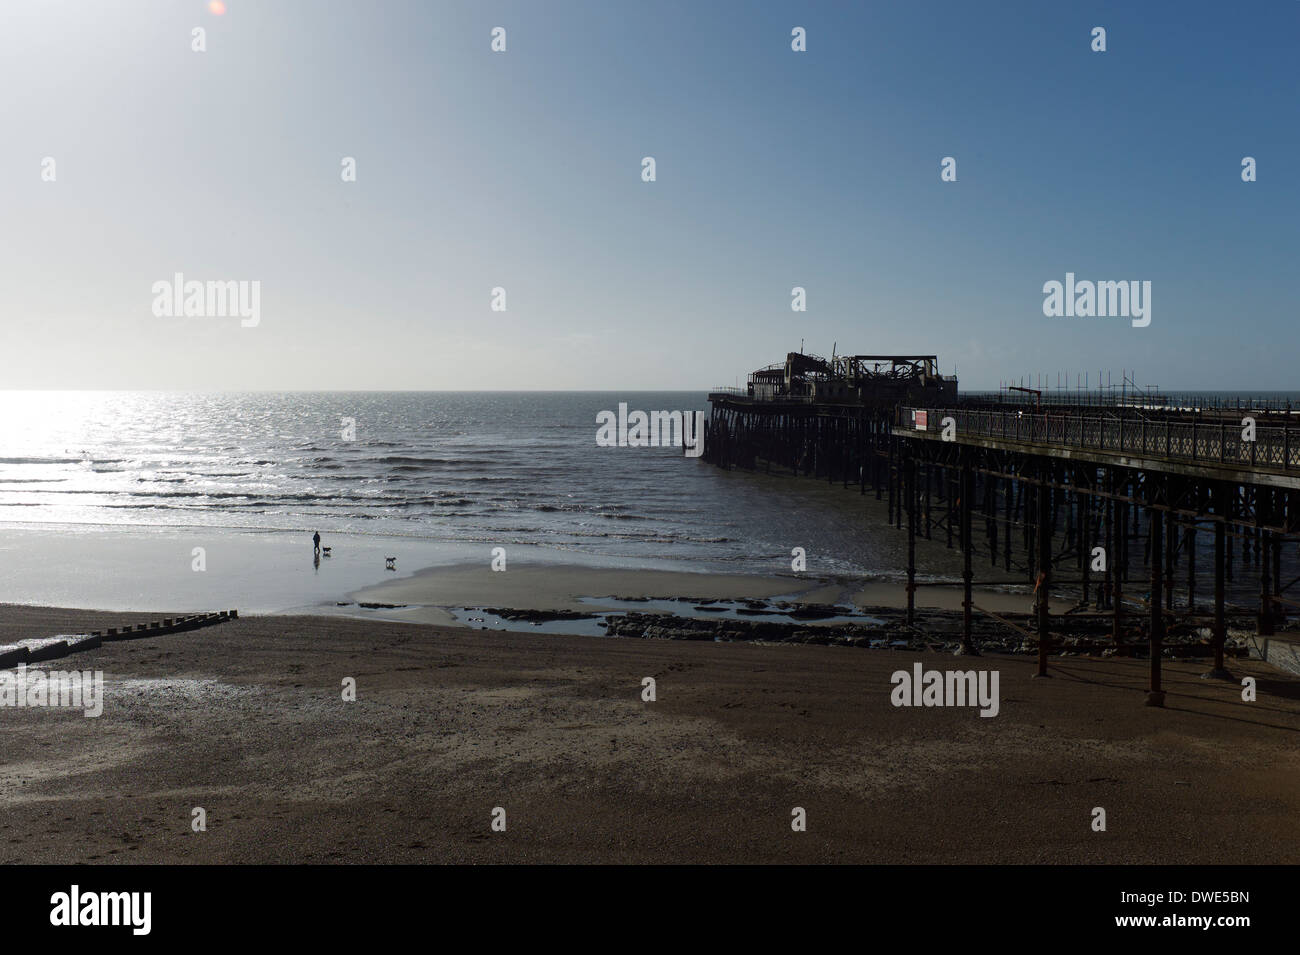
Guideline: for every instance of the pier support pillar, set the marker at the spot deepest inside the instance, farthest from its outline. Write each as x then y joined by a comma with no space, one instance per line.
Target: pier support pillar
1263,555
909,494
891,469
947,494
1044,583
1220,672
1155,693
1171,544
1009,496
1083,549
968,575
1115,564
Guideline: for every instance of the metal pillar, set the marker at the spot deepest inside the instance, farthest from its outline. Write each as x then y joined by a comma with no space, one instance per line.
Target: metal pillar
1156,695
1044,500
1220,672
909,479
968,576
1265,549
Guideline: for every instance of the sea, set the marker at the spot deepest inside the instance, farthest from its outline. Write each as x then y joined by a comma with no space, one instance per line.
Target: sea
432,476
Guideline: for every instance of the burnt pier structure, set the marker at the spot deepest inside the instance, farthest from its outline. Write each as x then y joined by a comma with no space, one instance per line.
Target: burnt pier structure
1127,501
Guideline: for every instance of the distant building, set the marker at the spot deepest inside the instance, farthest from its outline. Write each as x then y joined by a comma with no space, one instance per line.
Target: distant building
853,379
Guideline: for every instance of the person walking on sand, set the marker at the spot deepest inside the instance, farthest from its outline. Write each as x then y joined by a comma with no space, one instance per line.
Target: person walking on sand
315,539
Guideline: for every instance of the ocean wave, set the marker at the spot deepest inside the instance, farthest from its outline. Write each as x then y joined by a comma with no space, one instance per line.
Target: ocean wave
47,460
404,459
440,472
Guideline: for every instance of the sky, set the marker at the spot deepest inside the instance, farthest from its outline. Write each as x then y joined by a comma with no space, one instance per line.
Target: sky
522,170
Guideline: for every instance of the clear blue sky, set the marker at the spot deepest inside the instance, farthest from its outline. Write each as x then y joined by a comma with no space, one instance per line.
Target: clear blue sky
523,170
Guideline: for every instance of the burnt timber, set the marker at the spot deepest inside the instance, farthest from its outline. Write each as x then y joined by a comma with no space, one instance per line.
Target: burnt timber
1125,500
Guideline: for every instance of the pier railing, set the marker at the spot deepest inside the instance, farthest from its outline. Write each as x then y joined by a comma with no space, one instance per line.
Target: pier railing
1206,402
783,397
1201,442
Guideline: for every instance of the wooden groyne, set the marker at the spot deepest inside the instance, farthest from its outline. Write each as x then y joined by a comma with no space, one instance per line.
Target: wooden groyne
41,649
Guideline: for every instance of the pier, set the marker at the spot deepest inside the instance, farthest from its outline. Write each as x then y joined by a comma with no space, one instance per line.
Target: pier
1128,499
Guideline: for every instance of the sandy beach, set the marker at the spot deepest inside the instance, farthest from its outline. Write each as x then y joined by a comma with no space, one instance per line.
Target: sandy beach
575,588
246,721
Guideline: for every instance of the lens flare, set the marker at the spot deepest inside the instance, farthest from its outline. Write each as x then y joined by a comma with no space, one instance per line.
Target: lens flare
217,8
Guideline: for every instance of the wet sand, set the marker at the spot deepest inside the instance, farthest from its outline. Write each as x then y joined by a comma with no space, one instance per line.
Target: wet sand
560,587
245,720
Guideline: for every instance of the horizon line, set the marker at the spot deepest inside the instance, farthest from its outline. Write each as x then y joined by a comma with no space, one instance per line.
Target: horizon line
1158,390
